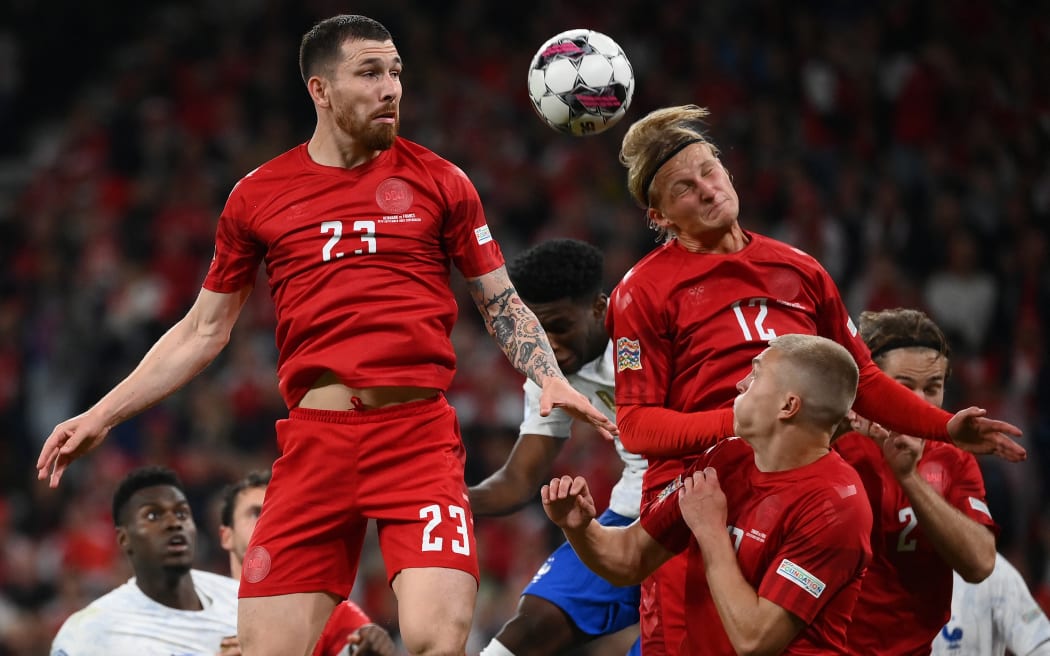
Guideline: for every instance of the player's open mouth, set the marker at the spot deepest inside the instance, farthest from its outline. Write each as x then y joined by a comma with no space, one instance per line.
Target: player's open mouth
178,544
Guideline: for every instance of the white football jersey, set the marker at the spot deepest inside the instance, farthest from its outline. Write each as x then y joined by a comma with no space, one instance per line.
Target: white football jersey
594,380
992,616
125,622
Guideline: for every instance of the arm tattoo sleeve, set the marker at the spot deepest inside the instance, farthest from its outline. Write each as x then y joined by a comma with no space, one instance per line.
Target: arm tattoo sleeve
514,327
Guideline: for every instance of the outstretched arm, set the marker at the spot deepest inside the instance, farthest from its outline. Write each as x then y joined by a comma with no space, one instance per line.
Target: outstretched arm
621,555
518,332
179,355
889,403
652,431
514,484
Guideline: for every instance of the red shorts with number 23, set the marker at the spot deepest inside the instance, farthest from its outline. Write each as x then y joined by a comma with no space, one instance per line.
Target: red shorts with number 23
401,466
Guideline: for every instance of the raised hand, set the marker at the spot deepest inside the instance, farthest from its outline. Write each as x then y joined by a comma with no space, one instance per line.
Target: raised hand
558,393
69,440
972,431
568,502
703,503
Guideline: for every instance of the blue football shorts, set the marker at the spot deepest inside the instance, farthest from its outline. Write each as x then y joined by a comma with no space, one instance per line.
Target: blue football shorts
596,606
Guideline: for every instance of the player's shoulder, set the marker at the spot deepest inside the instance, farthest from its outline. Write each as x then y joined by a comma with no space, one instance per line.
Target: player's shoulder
855,448
836,480
947,454
275,172
215,583
89,624
650,271
765,249
406,148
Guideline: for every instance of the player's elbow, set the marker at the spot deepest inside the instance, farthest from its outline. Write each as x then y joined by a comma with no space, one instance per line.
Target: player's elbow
981,562
755,645
979,570
623,579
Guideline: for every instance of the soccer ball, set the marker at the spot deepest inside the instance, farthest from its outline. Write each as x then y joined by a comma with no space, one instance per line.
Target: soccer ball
580,82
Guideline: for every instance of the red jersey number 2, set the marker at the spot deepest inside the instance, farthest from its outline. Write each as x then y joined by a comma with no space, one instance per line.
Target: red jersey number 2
367,230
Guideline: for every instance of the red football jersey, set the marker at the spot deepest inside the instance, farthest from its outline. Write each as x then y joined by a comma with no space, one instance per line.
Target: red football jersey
687,325
358,262
801,537
344,620
908,585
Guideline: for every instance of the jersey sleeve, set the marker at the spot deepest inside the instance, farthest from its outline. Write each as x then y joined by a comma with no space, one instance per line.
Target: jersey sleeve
822,553
643,355
879,397
466,234
966,491
557,424
237,253
662,519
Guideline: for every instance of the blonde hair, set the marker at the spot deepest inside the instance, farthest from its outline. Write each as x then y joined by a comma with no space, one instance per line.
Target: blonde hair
825,373
656,138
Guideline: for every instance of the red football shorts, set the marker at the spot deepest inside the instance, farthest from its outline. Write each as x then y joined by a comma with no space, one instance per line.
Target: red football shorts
401,466
662,608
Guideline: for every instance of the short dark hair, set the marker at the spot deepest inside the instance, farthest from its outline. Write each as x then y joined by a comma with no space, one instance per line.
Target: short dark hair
887,330
557,269
139,479
230,492
323,43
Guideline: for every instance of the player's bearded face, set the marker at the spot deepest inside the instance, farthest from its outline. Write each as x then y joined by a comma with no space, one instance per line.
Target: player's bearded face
363,127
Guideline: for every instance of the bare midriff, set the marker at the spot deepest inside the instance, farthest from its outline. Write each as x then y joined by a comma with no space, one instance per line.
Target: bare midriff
329,393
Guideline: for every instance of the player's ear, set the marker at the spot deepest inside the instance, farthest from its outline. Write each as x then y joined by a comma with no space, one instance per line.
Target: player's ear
656,217
600,305
226,537
123,541
318,89
791,406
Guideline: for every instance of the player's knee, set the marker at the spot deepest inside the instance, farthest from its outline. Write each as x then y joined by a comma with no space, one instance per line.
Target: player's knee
539,627
445,638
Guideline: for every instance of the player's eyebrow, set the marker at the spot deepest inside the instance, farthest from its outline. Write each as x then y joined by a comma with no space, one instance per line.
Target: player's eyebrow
375,61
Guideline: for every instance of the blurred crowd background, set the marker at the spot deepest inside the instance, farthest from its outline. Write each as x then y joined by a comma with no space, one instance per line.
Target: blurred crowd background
904,143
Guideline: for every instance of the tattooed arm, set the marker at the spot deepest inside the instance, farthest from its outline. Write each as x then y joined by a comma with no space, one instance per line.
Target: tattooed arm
518,332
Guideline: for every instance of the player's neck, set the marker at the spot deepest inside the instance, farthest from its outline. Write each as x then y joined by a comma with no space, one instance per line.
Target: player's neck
721,242
235,567
789,450
328,149
171,588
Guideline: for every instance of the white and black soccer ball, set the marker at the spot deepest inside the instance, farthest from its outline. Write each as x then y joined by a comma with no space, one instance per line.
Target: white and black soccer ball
580,82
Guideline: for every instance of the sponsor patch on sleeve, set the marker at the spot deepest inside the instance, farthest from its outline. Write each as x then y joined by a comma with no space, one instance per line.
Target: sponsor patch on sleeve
483,235
980,506
801,578
628,354
852,327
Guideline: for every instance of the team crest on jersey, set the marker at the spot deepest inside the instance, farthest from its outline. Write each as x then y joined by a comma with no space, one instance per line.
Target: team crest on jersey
394,196
256,564
628,354
801,578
